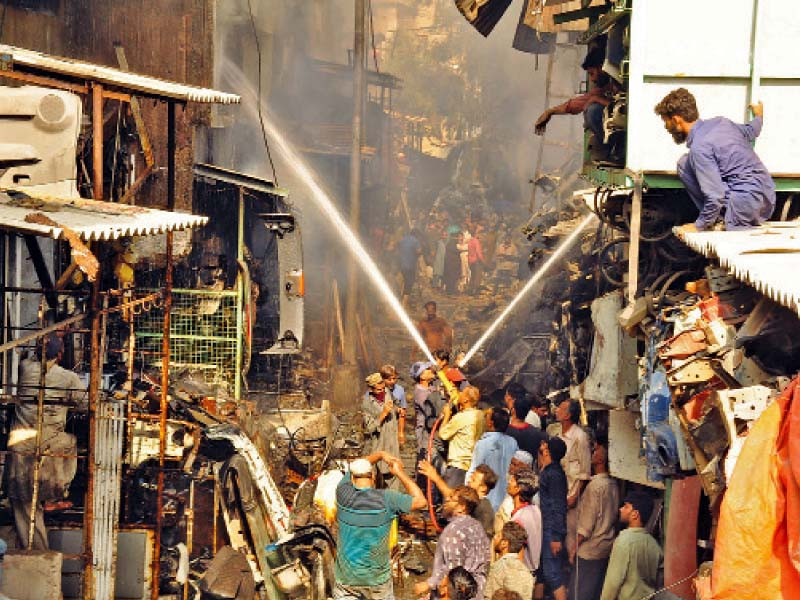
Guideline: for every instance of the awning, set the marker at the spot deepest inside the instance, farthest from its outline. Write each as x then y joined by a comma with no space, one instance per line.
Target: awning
239,179
30,61
25,211
767,257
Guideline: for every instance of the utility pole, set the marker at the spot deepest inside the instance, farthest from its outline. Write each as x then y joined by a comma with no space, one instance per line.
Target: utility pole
359,87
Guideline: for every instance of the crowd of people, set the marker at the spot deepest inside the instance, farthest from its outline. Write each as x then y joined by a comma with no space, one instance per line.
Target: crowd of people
521,513
466,257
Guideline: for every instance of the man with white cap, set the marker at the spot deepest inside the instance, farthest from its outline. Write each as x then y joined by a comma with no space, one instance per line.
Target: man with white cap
364,517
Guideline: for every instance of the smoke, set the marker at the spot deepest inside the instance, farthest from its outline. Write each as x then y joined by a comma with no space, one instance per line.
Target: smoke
489,94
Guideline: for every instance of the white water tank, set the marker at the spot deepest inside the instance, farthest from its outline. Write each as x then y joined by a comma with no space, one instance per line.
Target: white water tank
39,123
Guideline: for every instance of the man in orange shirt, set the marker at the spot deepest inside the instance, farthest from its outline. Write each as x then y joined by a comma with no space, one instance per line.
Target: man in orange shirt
436,332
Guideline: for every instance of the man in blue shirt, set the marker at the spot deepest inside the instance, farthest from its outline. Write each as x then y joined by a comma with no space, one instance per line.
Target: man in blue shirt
721,173
553,504
408,252
364,516
495,449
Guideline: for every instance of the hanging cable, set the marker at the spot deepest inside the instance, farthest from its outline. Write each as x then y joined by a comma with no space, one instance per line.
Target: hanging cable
258,93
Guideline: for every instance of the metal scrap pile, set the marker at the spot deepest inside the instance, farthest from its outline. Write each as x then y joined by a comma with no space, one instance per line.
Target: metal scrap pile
716,355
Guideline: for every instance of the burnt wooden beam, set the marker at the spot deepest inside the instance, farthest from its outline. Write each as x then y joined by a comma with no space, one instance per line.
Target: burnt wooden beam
35,252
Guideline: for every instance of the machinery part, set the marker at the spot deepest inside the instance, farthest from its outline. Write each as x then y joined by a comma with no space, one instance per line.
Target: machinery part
229,576
613,262
657,219
692,372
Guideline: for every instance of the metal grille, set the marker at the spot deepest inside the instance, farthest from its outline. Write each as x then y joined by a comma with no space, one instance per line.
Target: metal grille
105,503
203,335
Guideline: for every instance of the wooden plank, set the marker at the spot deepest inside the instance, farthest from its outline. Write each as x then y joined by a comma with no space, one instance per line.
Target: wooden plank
141,129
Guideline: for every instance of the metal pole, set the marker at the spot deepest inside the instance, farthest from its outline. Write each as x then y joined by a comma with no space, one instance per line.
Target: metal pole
162,431
633,248
94,389
359,55
39,422
97,141
240,300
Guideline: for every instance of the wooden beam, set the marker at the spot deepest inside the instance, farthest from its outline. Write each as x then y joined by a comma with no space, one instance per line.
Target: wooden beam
141,130
633,248
97,141
45,81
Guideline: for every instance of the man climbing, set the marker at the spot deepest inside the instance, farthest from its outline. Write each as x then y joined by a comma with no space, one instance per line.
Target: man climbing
591,104
721,172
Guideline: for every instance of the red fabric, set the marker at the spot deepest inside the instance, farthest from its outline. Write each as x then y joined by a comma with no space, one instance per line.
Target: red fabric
474,251
757,551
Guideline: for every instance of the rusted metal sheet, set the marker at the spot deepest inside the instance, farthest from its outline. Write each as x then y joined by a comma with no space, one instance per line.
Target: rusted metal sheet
613,374
89,219
624,447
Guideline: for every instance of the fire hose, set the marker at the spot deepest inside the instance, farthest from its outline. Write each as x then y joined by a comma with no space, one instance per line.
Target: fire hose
452,392
429,487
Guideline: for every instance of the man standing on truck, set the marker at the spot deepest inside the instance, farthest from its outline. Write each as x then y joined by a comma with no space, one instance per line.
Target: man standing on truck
364,517
721,172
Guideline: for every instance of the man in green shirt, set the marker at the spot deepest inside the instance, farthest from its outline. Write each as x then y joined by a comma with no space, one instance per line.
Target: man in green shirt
636,557
364,516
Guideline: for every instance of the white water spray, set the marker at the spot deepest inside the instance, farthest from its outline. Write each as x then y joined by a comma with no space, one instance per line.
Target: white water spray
565,245
324,202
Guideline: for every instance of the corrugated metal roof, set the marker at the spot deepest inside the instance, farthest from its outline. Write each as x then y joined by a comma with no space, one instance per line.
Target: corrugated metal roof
24,211
246,180
768,257
142,85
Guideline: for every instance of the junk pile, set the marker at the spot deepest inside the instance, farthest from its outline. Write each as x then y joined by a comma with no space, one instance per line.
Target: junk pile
716,356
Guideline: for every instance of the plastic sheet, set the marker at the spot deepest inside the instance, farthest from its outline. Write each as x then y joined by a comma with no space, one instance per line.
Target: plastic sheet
757,552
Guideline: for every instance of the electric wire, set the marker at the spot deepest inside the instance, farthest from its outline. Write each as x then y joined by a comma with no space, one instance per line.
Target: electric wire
258,93
671,585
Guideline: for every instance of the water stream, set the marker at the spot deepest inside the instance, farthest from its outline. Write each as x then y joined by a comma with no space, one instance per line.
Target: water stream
323,201
558,253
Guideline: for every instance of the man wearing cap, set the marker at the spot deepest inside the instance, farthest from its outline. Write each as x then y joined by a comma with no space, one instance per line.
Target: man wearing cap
426,409
364,517
380,419
635,557
398,392
62,388
496,450
462,430
519,461
553,503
